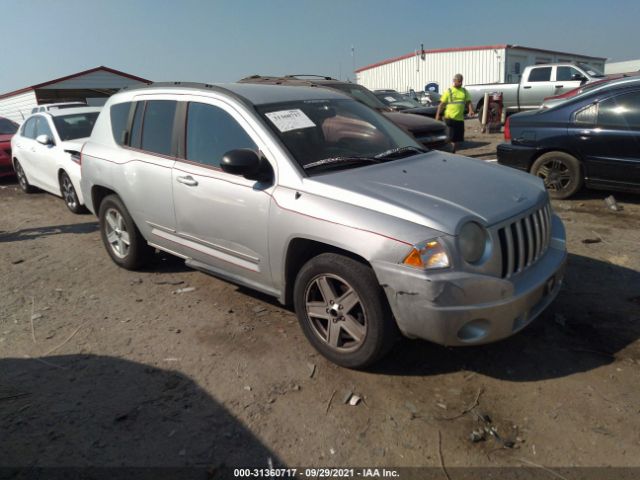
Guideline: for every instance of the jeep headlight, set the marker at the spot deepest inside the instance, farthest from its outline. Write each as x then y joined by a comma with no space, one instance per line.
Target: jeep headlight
472,241
428,255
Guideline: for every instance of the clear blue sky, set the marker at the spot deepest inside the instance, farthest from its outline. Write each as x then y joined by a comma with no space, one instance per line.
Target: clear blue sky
224,40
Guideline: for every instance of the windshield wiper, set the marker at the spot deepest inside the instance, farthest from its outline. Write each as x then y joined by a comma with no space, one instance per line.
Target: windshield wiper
339,161
400,152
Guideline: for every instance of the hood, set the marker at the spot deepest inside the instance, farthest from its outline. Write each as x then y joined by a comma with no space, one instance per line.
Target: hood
438,190
414,123
422,110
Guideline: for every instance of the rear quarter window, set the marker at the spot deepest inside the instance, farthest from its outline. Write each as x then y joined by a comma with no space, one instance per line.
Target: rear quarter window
119,122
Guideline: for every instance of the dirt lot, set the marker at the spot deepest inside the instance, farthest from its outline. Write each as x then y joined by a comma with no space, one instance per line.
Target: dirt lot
101,366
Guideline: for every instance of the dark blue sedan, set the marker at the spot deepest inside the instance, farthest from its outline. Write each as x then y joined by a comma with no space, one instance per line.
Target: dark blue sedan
592,140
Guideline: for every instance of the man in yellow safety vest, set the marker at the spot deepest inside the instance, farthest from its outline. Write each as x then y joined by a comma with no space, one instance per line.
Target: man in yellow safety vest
454,101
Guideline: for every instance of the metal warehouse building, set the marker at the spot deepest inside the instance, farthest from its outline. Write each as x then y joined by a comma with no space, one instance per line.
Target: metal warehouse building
92,86
485,64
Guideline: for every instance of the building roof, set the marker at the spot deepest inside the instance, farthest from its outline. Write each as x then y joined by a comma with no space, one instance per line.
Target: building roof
74,75
468,49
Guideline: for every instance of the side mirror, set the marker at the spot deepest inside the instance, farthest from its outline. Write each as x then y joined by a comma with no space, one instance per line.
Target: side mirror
246,162
44,140
578,76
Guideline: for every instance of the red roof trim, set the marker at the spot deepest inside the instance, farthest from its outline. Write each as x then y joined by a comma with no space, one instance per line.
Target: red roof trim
468,49
74,75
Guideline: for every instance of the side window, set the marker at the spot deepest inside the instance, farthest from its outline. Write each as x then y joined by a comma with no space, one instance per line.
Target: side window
29,128
621,111
542,74
566,73
212,132
157,127
119,119
42,128
588,115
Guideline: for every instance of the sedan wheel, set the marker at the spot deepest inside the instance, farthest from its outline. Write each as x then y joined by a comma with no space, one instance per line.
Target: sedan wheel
22,179
69,194
343,311
560,172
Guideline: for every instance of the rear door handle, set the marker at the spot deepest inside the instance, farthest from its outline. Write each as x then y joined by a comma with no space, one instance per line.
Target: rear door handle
528,86
188,180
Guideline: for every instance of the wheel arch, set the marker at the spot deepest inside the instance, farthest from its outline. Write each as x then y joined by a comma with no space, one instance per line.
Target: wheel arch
299,251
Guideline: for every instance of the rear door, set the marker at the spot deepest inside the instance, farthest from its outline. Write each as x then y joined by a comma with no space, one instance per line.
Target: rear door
536,87
611,147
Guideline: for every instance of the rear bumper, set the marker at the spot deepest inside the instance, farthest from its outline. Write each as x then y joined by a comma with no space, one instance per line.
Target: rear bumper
516,156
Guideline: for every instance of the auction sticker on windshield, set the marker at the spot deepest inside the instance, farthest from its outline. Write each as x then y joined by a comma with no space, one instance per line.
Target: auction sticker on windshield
287,120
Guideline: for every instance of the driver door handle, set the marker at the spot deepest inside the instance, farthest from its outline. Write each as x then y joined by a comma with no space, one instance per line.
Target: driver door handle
559,86
188,180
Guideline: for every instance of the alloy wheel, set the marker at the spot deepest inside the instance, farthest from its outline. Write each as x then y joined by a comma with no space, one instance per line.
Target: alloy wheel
336,313
117,234
69,193
555,174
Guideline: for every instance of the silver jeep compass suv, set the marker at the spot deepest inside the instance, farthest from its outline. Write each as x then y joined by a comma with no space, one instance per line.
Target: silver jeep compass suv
312,197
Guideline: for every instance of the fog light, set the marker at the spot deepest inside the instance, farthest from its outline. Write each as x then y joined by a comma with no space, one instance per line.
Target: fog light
474,330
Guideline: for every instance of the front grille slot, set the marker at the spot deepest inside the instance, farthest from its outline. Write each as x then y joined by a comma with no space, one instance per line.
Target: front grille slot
524,241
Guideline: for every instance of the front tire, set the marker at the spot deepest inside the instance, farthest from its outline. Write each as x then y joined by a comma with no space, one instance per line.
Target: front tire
343,311
69,194
22,178
560,172
120,236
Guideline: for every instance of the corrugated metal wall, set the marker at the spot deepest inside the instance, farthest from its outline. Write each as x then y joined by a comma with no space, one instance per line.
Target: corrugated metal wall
477,66
18,107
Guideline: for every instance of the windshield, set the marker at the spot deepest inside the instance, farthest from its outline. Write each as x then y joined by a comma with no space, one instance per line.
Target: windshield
394,98
360,93
316,130
78,125
7,127
593,72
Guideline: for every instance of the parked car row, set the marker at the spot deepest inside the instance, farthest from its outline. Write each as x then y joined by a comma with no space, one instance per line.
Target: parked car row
591,138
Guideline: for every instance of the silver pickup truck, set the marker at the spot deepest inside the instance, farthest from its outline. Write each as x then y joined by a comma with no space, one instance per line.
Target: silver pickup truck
537,83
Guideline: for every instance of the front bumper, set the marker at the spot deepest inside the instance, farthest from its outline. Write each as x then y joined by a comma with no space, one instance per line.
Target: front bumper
516,156
461,308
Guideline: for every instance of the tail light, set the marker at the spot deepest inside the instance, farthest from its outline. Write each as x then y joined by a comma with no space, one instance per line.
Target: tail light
507,129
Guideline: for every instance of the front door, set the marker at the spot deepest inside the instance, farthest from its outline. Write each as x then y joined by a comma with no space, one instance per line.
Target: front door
221,218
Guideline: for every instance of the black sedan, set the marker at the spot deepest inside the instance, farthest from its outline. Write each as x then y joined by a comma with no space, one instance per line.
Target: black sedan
405,104
592,139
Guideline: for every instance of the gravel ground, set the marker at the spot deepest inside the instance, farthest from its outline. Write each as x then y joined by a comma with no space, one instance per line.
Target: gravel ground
104,367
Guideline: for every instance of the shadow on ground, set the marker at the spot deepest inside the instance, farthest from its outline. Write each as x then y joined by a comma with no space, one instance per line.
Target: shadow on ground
595,318
42,232
84,411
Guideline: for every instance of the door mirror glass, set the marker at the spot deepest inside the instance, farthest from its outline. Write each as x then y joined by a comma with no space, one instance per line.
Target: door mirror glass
44,140
246,162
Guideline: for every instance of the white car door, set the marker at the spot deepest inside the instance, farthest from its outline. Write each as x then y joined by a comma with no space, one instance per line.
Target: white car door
43,157
25,149
564,79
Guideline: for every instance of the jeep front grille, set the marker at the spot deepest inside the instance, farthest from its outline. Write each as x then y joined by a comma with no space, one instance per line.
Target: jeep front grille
524,241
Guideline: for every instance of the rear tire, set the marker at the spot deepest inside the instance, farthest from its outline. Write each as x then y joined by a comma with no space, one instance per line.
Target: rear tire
22,178
343,311
560,172
122,239
69,194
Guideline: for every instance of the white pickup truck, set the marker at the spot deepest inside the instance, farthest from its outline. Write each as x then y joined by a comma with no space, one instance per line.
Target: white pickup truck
537,83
